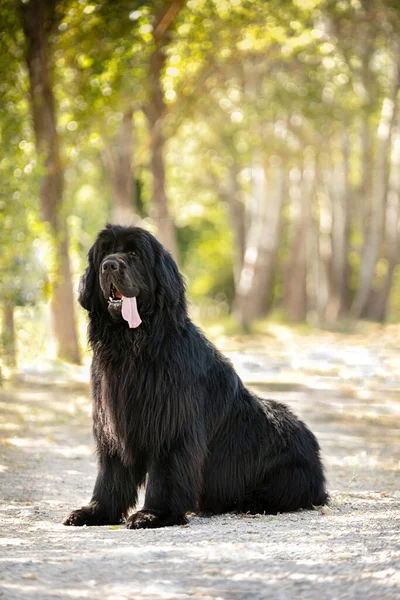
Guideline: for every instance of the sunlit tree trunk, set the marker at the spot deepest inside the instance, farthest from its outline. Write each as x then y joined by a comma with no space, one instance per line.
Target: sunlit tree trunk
155,110
8,334
262,238
119,162
160,212
296,295
339,193
365,187
379,299
38,17
234,198
366,134
318,272
374,235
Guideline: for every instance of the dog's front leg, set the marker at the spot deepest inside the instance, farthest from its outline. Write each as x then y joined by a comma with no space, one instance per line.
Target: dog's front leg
115,491
173,487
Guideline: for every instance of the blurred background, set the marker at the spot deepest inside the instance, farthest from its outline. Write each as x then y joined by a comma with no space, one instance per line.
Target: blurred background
259,140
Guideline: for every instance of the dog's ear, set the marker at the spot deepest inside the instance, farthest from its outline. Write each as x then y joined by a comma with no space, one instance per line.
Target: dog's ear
87,285
170,283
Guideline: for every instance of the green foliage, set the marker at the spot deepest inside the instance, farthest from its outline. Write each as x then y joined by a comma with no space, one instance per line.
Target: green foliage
22,274
279,77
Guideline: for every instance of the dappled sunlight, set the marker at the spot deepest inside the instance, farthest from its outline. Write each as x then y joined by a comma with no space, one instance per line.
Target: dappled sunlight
49,467
48,445
260,143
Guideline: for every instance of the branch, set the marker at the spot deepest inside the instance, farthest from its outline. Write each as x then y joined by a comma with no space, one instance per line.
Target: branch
165,18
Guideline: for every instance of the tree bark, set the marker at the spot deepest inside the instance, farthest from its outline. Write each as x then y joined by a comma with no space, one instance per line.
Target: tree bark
38,16
233,196
262,239
365,174
339,193
155,110
8,335
374,237
378,304
296,296
119,163
318,284
161,215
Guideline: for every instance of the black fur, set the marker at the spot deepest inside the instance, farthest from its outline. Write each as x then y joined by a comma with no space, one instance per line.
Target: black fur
167,405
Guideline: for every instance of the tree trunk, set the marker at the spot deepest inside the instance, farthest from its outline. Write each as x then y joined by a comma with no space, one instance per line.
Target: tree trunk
318,284
379,299
8,335
164,222
262,239
339,193
37,18
63,314
296,296
234,199
155,110
365,174
366,90
122,179
373,241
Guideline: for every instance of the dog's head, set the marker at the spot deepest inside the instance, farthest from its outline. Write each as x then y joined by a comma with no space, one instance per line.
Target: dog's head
131,277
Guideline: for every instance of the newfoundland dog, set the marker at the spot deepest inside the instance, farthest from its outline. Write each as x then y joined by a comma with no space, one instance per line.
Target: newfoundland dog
168,406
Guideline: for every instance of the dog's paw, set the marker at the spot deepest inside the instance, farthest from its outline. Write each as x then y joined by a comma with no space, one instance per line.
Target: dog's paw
147,519
87,515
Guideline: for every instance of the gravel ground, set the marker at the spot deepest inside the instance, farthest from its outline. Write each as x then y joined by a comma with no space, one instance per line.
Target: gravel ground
350,550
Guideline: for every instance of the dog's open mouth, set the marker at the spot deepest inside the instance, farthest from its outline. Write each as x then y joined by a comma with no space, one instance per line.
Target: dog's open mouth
127,305
115,296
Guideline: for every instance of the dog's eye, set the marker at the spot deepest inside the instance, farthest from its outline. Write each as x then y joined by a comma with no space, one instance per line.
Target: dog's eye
132,254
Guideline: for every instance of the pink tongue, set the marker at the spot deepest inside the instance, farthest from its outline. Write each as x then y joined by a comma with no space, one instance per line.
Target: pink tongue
130,312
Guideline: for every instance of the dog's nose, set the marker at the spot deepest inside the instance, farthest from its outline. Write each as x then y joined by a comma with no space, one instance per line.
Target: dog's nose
111,264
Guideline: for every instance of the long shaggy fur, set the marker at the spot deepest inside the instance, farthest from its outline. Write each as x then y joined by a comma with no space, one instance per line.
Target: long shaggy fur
168,406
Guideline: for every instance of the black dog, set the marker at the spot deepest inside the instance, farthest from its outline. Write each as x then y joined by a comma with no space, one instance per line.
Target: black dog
168,405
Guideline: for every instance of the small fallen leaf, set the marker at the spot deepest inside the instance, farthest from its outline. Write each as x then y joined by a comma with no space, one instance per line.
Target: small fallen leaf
29,576
325,510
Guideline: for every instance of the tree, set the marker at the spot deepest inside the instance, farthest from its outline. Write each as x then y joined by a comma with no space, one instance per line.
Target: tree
258,140
22,278
134,41
38,21
154,109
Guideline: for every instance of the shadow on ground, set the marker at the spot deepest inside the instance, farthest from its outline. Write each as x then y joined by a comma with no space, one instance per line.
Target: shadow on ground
348,550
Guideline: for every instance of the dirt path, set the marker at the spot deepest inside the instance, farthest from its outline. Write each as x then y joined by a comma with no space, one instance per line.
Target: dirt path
351,551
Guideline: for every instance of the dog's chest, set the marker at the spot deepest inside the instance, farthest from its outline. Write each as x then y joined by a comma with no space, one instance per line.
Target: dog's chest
121,410
137,410
114,399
